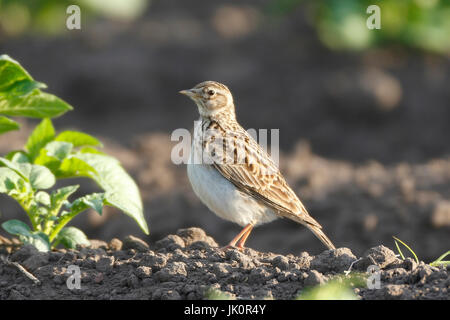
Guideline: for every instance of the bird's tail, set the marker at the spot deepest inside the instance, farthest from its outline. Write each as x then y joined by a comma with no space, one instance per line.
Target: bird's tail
309,222
320,235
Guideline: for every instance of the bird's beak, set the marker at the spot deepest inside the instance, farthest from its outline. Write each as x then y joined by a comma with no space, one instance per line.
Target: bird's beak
191,93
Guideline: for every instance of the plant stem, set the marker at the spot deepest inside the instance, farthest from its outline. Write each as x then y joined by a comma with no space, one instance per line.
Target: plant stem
48,224
26,206
439,261
64,220
407,247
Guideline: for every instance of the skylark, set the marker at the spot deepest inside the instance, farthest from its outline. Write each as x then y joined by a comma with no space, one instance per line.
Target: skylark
232,174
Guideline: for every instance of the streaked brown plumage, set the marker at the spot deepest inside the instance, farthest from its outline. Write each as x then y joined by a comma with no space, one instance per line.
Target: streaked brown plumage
240,160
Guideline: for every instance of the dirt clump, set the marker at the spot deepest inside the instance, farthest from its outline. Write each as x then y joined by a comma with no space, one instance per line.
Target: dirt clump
188,264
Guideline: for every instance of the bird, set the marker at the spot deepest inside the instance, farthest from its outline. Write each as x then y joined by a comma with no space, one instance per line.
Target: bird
233,175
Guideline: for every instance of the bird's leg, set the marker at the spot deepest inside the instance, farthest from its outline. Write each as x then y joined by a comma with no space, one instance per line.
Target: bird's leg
241,242
241,234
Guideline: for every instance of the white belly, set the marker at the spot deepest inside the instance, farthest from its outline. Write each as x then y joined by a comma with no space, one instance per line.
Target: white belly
224,199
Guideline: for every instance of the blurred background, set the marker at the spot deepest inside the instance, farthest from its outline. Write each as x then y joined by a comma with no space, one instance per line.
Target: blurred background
363,114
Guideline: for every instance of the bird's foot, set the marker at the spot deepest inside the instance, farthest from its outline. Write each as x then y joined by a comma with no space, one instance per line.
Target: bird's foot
227,247
232,246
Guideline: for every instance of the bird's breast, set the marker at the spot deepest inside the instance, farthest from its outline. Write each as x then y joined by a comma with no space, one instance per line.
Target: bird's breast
221,196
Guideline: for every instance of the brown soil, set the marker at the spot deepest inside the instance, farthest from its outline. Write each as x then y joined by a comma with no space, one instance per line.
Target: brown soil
368,166
188,264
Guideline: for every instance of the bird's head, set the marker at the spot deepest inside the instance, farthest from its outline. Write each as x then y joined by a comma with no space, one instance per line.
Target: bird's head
211,98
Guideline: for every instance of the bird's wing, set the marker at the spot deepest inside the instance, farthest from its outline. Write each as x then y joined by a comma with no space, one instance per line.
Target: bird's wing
248,166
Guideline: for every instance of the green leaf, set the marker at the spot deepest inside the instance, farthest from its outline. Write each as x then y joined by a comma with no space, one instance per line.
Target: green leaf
60,196
41,135
35,104
17,227
52,163
8,180
78,139
67,168
11,72
41,211
20,94
18,156
58,149
121,190
43,198
90,150
16,167
7,124
94,201
41,177
70,237
74,167
38,239
38,176
22,230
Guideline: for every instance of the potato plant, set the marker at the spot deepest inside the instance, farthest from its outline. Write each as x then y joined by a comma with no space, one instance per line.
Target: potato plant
29,175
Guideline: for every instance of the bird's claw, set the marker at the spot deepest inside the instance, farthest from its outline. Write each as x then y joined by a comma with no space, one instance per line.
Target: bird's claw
230,246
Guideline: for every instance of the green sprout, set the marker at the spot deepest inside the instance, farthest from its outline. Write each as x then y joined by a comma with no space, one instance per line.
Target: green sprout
217,294
29,175
339,288
396,240
438,262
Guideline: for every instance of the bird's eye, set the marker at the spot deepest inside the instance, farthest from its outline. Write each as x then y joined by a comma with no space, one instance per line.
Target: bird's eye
211,92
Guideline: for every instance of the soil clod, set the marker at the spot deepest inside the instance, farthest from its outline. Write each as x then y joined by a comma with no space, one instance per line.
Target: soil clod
190,265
